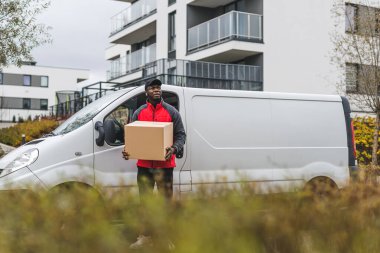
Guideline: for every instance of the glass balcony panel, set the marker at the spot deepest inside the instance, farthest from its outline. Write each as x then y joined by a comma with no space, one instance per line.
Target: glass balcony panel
205,69
193,38
214,30
133,61
225,26
242,25
211,70
198,69
255,26
136,59
230,25
223,71
151,52
203,34
134,12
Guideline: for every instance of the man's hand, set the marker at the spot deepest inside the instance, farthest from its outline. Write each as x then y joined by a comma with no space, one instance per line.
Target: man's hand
169,152
125,155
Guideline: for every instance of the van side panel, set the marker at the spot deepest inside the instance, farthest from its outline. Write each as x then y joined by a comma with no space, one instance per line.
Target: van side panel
310,139
230,134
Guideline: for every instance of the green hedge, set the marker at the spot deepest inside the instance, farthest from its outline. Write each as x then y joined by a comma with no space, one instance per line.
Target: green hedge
32,129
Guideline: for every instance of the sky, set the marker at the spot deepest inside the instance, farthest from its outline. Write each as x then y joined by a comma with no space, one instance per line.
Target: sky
80,30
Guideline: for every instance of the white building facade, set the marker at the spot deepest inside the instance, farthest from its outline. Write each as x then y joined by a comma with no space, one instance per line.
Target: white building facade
30,90
267,45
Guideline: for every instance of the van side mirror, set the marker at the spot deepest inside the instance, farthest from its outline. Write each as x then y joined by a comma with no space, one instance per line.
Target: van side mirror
101,137
109,131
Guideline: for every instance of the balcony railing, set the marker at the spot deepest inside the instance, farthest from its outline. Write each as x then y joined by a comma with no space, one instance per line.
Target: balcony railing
210,75
132,62
232,25
182,73
135,12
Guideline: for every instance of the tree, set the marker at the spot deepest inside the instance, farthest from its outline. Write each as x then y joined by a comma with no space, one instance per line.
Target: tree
19,30
356,52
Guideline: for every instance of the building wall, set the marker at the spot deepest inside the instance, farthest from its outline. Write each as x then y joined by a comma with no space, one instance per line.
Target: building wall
297,46
295,54
59,79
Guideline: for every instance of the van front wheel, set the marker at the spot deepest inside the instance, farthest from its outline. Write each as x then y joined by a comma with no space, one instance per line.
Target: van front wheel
76,204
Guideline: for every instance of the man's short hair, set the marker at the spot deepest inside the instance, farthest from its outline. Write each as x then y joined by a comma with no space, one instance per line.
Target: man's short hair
152,82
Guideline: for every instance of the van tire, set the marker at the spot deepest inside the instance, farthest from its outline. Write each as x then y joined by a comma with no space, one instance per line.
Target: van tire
321,187
69,200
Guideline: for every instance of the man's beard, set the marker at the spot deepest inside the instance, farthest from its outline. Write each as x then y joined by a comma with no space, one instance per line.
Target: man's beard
157,100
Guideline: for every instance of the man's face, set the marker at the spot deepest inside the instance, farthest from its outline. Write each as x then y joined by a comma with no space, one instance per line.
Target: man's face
154,92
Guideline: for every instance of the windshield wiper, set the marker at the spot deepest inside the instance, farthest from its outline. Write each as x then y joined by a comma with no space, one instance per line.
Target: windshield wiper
48,135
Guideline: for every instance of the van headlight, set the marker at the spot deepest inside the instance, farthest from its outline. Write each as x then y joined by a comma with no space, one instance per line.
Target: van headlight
24,159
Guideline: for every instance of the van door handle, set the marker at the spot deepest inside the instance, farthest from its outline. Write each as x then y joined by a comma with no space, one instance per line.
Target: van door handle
101,137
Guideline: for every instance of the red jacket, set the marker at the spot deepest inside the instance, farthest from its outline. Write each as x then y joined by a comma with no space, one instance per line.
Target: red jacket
163,112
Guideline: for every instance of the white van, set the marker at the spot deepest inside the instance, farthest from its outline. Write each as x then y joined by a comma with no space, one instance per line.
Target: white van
277,140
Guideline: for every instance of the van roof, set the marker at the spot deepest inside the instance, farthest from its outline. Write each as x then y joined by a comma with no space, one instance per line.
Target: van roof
262,94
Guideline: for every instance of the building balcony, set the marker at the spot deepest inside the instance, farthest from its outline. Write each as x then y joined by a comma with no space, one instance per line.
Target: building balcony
133,23
199,74
234,25
135,12
132,62
208,3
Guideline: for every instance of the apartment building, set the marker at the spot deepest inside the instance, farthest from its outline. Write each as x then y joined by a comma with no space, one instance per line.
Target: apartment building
265,45
31,89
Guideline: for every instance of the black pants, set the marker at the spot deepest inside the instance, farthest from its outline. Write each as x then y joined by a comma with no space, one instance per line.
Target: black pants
147,177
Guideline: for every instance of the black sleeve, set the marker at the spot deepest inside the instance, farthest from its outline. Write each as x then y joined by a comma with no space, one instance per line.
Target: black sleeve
135,115
179,134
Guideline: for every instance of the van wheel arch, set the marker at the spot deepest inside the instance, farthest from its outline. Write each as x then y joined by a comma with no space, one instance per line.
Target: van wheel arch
321,186
66,192
71,185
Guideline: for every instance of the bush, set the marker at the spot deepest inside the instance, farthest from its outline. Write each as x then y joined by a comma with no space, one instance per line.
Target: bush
364,128
32,130
217,221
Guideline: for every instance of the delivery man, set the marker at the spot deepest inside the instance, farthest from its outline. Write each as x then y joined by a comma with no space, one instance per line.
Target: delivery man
159,172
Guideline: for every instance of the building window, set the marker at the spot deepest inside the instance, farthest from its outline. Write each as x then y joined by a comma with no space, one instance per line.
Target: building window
44,81
172,34
26,103
351,17
1,78
352,77
43,104
170,2
27,80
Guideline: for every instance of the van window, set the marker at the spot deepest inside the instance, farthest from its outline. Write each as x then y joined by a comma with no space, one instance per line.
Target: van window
122,115
86,114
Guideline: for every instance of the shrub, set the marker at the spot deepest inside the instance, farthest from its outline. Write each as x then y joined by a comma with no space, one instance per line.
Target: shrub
217,221
32,130
364,128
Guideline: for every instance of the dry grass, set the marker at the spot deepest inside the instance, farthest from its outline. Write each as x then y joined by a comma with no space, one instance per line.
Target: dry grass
217,221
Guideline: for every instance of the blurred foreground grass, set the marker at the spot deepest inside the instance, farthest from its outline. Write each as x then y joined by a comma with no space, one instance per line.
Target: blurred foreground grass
210,221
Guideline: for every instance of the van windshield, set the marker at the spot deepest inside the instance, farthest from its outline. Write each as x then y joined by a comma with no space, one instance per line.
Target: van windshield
88,112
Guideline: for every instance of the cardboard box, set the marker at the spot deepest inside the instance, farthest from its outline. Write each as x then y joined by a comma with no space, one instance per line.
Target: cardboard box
147,140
